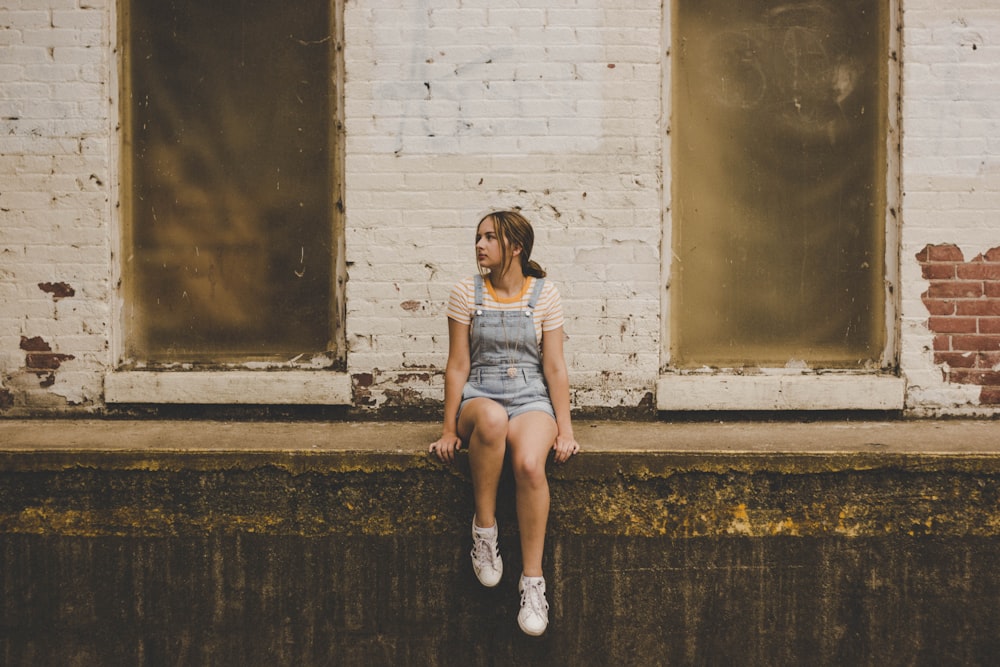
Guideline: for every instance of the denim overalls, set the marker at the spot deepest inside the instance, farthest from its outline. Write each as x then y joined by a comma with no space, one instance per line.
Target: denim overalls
506,364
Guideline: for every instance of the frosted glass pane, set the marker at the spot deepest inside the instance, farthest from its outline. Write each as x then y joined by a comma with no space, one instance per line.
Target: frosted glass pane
229,205
778,127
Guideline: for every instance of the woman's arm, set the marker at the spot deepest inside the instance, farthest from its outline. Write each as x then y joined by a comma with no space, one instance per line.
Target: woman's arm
456,373
557,379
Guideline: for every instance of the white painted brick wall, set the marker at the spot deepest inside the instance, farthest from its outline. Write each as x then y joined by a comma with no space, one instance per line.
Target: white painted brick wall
452,109
950,168
54,197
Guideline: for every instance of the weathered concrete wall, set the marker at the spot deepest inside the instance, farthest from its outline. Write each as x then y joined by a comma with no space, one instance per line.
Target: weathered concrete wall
249,599
452,109
313,552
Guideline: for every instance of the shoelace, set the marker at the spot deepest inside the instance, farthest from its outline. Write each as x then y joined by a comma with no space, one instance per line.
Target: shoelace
483,552
533,597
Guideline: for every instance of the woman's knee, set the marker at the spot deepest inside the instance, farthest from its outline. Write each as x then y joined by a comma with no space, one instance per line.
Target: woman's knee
490,424
529,468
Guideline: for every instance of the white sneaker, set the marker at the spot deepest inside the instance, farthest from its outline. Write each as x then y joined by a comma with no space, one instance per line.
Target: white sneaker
534,615
486,559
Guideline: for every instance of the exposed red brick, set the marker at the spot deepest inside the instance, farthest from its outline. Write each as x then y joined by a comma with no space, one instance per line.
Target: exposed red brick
940,306
363,379
963,301
973,376
48,361
957,359
965,325
954,289
978,271
990,396
34,344
945,252
978,307
989,360
944,271
57,290
975,343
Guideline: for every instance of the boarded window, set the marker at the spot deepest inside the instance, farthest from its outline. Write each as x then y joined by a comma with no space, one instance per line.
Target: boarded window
229,198
779,165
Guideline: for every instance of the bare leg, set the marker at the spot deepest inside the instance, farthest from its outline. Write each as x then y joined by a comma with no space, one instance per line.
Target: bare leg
530,437
483,424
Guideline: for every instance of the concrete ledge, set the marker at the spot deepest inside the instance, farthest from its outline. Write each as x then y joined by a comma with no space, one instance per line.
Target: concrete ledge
648,479
229,387
917,436
781,391
317,544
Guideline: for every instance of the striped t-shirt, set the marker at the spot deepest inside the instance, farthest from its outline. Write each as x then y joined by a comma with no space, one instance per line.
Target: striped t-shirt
548,311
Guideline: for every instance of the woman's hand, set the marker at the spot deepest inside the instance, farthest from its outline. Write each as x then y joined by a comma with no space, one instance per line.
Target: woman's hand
446,446
565,447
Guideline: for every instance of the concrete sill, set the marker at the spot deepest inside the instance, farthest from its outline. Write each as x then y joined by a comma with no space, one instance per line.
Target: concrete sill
780,392
229,387
980,438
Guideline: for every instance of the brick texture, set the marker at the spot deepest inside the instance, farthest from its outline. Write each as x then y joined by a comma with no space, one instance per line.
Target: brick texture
551,108
561,109
963,299
55,206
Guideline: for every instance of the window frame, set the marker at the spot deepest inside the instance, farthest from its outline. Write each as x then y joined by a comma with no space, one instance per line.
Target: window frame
779,389
316,379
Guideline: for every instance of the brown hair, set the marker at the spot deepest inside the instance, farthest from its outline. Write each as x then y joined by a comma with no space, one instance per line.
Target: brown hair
512,228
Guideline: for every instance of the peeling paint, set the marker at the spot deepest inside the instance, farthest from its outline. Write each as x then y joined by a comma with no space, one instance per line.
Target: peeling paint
57,290
49,361
34,344
41,360
963,303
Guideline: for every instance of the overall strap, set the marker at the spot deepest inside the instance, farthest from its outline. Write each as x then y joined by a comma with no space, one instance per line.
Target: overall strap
537,292
479,289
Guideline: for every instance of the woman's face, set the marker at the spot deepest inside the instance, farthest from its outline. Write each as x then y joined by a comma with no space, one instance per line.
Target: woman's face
488,252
